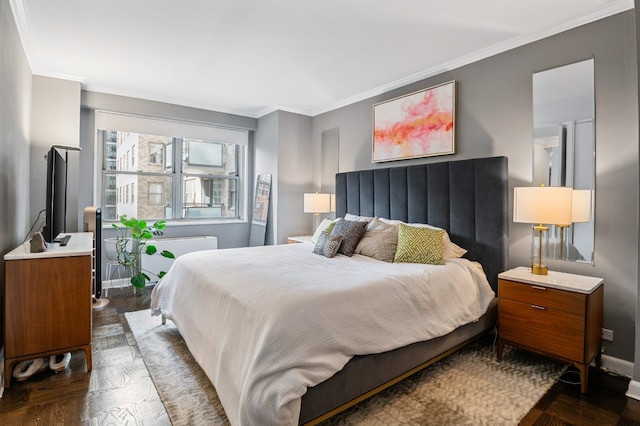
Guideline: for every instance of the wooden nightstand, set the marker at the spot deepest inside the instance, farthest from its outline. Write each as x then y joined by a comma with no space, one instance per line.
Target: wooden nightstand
558,315
300,239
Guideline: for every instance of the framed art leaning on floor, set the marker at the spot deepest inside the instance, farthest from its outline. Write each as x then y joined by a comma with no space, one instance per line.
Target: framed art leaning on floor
420,124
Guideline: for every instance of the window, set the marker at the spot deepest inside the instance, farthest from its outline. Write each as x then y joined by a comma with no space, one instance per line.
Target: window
201,153
151,176
156,153
155,193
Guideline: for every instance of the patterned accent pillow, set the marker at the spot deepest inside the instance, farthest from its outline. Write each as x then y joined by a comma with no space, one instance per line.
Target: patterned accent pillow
451,249
326,225
380,241
327,245
419,245
351,233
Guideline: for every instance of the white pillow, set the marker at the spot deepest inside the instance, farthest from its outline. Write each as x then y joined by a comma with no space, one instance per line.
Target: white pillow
326,223
451,249
354,218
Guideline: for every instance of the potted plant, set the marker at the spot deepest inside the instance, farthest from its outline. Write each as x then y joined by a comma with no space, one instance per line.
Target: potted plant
132,240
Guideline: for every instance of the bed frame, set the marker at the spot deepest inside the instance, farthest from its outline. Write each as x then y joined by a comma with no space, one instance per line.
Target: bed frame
468,198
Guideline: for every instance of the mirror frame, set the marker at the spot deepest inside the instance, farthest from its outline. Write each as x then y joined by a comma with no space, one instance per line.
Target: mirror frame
258,230
564,142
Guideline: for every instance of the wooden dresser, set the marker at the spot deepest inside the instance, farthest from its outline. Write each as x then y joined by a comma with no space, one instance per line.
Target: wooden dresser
558,315
47,301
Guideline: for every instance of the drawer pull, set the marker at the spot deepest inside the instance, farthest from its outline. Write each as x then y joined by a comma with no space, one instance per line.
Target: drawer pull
537,287
542,308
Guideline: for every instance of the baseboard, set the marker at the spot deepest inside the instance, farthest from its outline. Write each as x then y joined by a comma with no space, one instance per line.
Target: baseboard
617,366
634,390
621,367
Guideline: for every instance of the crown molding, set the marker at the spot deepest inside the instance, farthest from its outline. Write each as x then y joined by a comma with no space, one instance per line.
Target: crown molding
609,9
25,33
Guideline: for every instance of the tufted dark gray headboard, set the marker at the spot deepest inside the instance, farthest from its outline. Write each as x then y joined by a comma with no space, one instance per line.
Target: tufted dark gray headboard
468,198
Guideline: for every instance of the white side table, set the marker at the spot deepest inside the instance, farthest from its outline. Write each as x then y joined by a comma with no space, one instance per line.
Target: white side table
299,239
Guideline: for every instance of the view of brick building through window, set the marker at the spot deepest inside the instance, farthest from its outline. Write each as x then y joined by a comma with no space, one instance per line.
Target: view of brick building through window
141,180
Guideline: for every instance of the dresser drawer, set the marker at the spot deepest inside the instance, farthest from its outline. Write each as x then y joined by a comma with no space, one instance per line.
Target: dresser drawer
561,300
547,330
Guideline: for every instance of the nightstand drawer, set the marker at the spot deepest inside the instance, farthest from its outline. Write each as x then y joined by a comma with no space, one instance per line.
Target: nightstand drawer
547,330
547,297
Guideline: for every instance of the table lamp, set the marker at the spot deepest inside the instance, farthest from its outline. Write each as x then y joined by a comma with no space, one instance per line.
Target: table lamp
542,205
317,203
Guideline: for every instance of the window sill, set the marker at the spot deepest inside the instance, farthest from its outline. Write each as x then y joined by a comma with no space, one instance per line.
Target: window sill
186,222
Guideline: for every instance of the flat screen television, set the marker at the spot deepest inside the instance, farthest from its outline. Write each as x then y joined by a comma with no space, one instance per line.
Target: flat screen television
56,208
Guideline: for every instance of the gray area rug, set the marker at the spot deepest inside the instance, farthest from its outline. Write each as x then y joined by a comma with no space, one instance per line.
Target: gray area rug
468,387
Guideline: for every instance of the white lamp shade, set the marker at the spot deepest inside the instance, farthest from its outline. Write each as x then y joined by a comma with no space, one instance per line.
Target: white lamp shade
333,202
581,205
542,204
317,203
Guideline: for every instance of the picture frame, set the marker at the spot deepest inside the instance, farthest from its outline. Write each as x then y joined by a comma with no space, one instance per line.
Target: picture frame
420,124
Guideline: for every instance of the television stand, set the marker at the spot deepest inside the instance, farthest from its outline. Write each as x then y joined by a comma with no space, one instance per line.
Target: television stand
47,302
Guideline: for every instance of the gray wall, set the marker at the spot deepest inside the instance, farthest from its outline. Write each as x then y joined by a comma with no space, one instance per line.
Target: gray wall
636,366
265,149
494,117
283,148
55,120
15,127
294,175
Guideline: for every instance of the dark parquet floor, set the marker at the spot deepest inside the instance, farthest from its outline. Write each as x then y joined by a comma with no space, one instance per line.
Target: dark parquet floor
120,391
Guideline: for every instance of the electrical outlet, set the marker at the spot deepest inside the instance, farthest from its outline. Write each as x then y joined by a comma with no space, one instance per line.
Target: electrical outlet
607,334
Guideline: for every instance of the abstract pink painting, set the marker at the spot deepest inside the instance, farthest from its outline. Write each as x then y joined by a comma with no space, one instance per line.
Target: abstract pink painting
420,124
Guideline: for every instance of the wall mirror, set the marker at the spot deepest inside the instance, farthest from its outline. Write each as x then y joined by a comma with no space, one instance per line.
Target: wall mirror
258,231
564,151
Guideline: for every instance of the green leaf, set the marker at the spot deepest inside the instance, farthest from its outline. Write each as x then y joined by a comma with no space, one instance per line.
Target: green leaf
138,281
151,249
129,223
161,274
167,254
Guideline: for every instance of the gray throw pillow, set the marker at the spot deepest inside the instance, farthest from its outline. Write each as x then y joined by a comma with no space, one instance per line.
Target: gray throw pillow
379,241
327,245
351,233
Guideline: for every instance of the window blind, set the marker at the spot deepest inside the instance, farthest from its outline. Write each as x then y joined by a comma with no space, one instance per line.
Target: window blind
106,120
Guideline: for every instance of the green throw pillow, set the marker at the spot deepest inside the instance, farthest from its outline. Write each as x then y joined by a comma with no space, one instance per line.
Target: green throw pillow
325,226
419,245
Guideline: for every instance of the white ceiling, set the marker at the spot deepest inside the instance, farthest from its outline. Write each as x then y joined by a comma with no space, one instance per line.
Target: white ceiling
251,57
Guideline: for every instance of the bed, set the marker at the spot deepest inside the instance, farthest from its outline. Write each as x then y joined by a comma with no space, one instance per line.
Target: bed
290,345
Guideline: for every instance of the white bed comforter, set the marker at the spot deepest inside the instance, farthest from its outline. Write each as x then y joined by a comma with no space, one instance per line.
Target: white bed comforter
265,323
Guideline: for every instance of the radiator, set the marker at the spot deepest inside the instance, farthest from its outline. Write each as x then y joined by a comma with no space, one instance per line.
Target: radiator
177,246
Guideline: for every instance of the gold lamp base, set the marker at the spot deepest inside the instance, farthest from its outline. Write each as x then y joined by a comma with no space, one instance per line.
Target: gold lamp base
540,269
